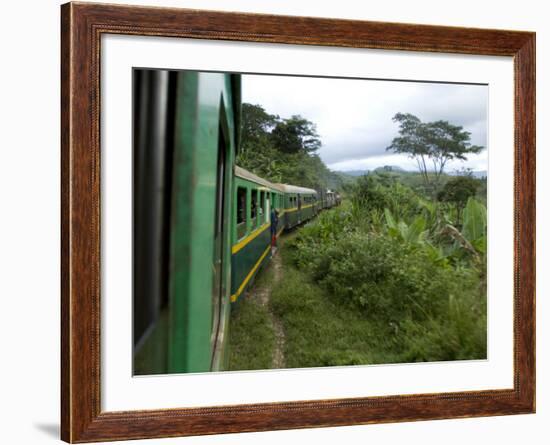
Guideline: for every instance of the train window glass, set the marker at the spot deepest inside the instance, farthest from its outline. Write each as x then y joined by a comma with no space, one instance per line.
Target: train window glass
261,208
253,207
241,212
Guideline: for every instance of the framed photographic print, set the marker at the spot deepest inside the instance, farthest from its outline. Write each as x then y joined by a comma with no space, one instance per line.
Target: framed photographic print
275,222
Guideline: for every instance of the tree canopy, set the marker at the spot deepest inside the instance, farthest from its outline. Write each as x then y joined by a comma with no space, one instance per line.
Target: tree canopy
432,142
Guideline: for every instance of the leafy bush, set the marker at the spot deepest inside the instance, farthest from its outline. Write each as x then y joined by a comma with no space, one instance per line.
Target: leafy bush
373,193
395,258
389,278
402,301
475,220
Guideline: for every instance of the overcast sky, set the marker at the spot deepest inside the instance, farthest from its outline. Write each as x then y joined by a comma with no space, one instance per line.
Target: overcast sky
354,117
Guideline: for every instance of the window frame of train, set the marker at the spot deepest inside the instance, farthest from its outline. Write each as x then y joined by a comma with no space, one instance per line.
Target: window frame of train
253,209
241,228
262,207
83,393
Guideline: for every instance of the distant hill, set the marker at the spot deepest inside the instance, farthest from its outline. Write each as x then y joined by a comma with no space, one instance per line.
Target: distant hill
390,168
353,172
480,174
394,168
476,174
385,168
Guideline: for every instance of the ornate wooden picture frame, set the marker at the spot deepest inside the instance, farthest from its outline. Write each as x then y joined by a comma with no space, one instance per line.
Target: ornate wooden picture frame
82,25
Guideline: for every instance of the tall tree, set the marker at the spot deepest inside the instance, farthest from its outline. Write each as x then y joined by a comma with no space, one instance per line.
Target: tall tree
295,135
436,142
283,150
411,141
256,124
447,142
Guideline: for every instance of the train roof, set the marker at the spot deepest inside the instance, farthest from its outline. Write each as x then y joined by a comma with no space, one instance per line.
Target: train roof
285,188
245,174
295,189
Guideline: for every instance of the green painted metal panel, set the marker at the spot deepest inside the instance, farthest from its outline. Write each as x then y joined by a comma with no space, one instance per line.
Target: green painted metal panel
243,261
199,98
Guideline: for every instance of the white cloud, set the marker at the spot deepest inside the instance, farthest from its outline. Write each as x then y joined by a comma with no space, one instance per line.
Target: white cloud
354,116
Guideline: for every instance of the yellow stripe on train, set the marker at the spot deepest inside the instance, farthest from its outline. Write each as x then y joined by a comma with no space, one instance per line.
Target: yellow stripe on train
246,240
249,276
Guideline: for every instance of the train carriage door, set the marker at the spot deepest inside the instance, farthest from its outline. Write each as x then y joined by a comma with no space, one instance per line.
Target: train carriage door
217,288
299,209
268,207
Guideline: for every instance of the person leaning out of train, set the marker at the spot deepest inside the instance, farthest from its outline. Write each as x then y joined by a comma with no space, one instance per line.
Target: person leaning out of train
274,223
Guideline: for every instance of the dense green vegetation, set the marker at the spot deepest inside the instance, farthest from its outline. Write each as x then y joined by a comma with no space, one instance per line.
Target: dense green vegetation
283,150
395,274
395,257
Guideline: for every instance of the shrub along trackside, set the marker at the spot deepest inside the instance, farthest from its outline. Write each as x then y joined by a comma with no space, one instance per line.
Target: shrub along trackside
395,257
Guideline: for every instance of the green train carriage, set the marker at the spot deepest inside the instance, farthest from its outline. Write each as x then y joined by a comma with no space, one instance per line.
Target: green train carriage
201,224
300,204
254,197
186,133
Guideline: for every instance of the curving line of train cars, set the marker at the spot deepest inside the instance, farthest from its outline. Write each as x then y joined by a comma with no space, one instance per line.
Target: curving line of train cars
201,223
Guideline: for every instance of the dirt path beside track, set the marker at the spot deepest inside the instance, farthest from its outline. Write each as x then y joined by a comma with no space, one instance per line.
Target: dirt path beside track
263,294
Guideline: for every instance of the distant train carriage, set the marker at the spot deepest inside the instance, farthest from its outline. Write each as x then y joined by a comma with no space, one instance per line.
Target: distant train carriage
299,204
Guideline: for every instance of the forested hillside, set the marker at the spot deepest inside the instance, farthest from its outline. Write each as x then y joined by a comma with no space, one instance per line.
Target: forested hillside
283,150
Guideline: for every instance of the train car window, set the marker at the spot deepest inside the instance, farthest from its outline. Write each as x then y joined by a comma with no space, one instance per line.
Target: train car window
241,212
253,207
261,208
299,202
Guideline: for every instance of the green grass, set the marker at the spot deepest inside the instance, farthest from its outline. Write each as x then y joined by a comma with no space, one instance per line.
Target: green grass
320,331
251,337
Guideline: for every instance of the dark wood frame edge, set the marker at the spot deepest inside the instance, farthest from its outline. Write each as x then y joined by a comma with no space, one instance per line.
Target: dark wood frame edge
81,27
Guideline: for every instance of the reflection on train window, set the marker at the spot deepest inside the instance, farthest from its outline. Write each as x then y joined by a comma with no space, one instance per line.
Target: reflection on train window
241,212
261,208
253,208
